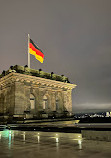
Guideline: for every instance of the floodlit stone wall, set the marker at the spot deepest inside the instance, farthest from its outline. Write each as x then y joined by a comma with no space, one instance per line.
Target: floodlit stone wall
22,94
7,99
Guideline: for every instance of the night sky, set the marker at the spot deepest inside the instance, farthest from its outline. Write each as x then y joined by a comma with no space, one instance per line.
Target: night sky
75,36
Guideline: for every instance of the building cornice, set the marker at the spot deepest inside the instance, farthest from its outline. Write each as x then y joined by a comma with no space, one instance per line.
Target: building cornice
17,77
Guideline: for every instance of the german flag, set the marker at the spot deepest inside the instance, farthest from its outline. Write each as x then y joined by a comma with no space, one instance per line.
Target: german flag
36,51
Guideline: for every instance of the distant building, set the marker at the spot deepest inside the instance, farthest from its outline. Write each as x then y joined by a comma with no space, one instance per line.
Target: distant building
33,93
108,114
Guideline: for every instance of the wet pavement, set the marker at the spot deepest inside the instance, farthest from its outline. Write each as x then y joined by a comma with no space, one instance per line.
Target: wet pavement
34,144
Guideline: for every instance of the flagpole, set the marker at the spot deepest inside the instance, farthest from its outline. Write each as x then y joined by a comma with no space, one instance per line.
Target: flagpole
28,52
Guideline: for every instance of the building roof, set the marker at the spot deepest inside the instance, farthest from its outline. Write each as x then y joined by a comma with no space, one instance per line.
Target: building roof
32,72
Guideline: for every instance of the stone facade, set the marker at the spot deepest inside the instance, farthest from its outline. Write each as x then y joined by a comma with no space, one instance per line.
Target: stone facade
30,96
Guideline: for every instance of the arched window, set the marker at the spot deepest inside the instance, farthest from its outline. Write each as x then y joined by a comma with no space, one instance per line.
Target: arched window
45,103
32,101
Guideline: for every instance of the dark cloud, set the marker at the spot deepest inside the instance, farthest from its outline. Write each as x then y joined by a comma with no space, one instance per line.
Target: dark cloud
75,36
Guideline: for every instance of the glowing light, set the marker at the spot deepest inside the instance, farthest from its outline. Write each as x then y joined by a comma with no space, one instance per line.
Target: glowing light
80,144
57,140
5,133
24,136
38,139
9,139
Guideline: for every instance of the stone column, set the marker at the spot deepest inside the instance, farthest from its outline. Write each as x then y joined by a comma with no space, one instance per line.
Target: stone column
19,98
68,100
40,99
11,98
53,105
26,98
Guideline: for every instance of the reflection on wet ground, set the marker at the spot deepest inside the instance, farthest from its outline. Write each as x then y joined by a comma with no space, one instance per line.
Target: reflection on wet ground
30,144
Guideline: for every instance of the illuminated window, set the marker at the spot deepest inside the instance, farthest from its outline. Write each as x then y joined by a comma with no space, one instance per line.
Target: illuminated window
45,103
32,101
